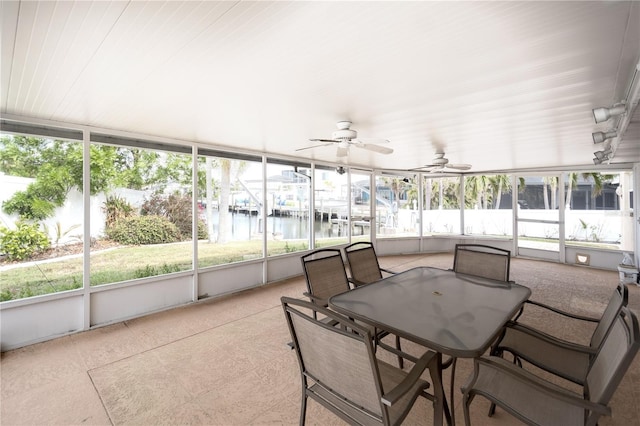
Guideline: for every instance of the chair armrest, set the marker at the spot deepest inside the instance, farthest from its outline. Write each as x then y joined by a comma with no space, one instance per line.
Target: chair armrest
388,271
395,351
570,346
317,300
510,371
355,282
565,359
410,379
561,312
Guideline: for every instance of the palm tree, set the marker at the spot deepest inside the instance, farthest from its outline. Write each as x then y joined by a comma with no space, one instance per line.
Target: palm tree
471,191
448,193
598,180
223,206
227,168
209,197
412,194
550,181
500,183
428,191
477,191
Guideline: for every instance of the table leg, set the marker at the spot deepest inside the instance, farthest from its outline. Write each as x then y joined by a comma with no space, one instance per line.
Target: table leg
440,403
451,398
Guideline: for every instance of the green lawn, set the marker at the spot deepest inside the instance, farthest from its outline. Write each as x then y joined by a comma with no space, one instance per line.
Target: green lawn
127,263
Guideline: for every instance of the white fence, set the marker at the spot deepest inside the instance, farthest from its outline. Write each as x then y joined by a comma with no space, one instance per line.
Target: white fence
582,225
69,218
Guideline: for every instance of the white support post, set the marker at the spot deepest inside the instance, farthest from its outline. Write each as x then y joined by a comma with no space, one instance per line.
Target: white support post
86,239
194,219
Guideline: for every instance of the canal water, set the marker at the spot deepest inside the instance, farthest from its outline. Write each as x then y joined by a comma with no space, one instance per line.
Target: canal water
242,226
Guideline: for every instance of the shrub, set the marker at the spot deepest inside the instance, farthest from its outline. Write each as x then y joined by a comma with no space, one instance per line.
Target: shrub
140,230
61,233
24,241
116,208
203,232
178,209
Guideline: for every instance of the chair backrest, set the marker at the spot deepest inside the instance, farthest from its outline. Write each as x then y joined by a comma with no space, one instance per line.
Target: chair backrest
612,361
619,299
482,261
363,262
339,358
325,273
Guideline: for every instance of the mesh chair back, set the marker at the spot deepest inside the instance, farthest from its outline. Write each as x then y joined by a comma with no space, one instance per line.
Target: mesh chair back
325,273
612,361
482,261
618,300
340,358
363,262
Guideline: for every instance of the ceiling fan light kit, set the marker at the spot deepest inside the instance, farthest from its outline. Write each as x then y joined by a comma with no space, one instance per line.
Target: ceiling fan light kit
344,134
343,125
346,137
439,163
439,159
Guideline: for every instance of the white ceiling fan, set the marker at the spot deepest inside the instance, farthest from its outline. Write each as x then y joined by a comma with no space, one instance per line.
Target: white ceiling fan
440,163
346,137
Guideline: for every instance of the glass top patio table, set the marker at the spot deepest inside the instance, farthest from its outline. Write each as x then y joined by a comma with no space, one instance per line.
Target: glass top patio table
448,312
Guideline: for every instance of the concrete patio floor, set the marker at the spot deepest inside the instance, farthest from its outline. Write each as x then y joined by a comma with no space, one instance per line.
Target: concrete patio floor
225,361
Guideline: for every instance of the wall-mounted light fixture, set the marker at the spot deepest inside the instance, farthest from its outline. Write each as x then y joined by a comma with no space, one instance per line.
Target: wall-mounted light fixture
599,137
619,109
582,259
602,156
603,113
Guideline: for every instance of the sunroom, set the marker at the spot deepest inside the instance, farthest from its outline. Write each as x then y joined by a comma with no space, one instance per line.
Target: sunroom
163,153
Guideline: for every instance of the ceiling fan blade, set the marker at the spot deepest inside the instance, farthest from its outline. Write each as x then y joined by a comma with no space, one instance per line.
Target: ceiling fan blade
325,140
312,146
458,166
372,140
425,168
376,148
342,151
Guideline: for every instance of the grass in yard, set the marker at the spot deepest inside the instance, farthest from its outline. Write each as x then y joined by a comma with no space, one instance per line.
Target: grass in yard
127,263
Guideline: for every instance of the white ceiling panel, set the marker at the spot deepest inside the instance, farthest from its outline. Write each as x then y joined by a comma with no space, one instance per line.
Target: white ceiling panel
499,85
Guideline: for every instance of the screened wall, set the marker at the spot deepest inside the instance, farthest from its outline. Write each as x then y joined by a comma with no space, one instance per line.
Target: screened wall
101,227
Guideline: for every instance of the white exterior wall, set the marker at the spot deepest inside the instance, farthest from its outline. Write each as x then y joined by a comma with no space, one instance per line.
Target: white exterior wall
70,214
609,223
